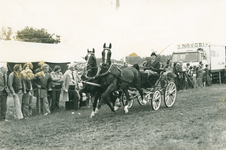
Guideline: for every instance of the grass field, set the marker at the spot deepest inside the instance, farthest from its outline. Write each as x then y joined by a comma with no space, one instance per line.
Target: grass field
196,121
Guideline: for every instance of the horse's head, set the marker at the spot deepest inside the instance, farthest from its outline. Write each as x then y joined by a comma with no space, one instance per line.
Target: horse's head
91,61
106,55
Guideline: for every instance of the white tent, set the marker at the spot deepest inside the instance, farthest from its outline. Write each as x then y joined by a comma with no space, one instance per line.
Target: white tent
16,51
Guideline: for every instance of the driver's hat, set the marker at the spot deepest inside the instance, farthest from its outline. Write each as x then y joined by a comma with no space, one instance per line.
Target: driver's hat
153,53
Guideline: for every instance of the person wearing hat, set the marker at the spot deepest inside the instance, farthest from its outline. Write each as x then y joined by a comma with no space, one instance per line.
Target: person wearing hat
56,83
152,66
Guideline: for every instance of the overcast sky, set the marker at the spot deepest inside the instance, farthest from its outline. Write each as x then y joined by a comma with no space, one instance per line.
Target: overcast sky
136,26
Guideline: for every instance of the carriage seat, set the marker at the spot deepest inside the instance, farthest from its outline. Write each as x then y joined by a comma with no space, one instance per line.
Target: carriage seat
151,79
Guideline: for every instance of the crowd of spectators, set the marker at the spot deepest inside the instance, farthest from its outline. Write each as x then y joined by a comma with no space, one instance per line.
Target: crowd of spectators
191,76
47,86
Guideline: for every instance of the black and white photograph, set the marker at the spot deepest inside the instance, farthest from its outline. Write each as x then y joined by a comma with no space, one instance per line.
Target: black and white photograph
113,74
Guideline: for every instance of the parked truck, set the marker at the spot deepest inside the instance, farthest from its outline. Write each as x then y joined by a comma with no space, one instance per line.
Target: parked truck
193,53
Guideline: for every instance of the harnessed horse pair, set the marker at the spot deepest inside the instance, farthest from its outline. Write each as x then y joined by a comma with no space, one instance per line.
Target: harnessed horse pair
109,79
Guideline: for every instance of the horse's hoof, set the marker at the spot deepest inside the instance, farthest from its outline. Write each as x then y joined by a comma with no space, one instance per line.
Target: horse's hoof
126,111
116,108
92,114
96,112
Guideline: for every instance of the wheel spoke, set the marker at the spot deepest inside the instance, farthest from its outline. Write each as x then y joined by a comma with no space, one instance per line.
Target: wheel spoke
172,91
154,105
171,87
169,101
167,98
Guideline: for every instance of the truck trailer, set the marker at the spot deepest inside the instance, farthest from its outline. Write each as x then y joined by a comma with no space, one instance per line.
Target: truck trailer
193,53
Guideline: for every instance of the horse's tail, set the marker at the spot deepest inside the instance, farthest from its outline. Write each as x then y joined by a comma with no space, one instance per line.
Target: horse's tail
136,66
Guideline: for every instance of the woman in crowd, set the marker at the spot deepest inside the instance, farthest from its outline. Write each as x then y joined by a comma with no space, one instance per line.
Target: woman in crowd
57,80
28,95
16,86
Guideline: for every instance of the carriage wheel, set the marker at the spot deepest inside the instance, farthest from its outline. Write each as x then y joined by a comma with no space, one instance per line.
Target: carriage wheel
156,100
170,94
123,98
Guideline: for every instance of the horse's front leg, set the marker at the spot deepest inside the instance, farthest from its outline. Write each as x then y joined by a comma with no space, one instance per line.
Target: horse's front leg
127,100
140,91
114,98
94,99
81,96
104,97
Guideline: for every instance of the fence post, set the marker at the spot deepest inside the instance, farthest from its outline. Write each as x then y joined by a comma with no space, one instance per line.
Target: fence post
220,77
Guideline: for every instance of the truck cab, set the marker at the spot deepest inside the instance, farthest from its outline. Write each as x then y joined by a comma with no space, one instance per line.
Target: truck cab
190,56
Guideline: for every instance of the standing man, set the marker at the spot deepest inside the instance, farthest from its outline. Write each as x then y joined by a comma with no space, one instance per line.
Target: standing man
70,85
16,86
200,74
57,80
36,92
4,92
43,82
181,75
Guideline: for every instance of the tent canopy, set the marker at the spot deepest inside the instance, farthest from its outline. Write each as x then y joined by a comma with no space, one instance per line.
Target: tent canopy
16,51
13,52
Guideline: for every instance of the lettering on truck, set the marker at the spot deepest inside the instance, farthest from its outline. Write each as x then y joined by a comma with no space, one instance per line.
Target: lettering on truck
191,45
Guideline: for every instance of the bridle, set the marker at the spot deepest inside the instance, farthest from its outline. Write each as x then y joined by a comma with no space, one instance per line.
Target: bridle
105,51
86,70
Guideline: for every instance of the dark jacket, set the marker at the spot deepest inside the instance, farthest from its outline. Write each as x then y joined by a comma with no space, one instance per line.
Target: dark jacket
16,82
153,66
43,81
28,85
4,90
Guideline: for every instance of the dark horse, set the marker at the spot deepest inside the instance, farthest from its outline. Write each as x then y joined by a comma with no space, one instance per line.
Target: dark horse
90,83
89,71
114,78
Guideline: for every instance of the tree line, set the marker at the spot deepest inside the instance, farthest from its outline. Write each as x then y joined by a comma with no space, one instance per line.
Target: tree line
29,34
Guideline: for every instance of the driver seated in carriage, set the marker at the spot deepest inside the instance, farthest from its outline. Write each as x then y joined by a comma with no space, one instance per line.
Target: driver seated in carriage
152,68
